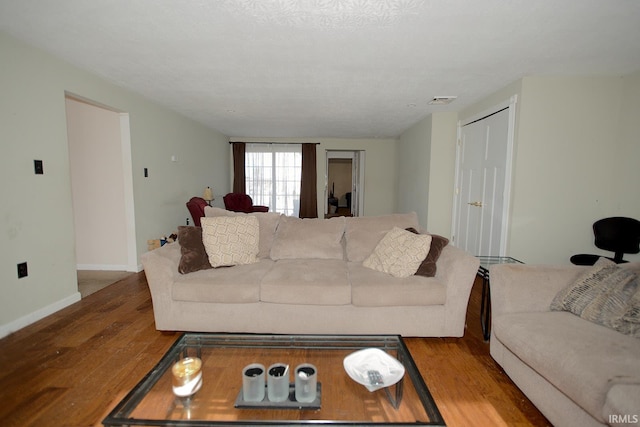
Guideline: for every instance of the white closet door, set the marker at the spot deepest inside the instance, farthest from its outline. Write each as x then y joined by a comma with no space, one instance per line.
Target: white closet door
482,185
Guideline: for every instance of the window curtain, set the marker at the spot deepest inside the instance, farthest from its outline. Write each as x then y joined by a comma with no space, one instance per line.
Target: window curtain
309,183
239,180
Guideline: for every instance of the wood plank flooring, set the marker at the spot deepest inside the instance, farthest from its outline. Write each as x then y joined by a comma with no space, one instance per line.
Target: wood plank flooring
73,367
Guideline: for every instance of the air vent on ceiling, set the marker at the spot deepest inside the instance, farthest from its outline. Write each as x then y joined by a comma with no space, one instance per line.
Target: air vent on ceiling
442,100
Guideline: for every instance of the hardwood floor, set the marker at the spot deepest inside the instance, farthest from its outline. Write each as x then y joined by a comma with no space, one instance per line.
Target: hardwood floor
73,367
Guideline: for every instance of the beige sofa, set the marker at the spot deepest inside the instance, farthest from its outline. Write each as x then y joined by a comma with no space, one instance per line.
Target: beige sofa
310,279
578,373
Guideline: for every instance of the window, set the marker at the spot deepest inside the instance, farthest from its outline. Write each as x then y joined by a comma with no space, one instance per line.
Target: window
272,174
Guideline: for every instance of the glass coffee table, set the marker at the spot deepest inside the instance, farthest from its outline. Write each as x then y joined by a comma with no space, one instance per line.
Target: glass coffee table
340,399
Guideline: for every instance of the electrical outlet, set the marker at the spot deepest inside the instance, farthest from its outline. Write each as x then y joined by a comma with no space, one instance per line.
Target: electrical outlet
22,270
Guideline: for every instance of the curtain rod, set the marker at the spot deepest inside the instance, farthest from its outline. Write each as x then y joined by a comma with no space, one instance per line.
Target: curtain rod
264,142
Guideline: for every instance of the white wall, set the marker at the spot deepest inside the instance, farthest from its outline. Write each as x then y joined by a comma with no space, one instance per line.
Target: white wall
97,186
380,169
36,215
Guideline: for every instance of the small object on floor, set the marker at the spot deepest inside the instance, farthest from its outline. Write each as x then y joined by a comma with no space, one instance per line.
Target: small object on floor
156,243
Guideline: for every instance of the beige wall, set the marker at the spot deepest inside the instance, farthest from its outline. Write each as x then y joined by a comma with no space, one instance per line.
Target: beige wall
575,161
414,165
37,216
426,169
380,169
442,172
572,136
627,171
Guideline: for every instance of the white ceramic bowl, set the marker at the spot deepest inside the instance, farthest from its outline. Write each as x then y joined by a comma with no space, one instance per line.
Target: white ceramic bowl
359,364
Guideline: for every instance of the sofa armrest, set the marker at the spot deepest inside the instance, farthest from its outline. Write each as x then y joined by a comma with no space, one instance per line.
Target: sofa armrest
517,288
161,270
457,270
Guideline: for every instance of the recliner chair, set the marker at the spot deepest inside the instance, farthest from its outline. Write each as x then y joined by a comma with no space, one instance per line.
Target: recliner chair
196,208
238,202
620,235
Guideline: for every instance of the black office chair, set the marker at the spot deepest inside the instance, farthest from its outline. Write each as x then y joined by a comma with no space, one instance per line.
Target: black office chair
617,234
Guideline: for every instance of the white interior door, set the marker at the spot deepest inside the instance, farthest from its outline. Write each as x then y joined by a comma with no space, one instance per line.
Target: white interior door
470,189
483,183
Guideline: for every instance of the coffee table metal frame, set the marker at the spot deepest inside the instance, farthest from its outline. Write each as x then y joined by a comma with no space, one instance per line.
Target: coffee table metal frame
119,416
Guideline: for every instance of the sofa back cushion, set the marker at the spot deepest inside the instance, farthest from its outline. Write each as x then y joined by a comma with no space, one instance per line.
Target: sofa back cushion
267,221
308,238
362,234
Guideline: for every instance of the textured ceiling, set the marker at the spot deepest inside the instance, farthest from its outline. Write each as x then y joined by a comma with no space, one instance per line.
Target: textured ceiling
327,68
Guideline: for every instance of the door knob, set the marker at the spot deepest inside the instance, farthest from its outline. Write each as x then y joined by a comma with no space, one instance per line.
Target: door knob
476,204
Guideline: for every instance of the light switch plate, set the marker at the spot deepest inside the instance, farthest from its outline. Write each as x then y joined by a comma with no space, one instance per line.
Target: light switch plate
39,167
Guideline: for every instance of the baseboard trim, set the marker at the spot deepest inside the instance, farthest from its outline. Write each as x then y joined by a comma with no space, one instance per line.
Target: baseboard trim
30,318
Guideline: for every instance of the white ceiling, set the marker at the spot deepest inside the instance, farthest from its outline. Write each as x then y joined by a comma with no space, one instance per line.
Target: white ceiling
327,68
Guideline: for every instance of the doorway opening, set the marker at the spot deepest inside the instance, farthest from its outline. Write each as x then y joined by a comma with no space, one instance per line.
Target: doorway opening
102,191
344,183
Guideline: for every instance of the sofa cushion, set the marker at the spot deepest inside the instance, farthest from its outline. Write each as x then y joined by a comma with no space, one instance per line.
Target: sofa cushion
370,288
230,240
267,221
307,281
428,267
308,238
599,295
193,256
362,234
580,358
399,253
239,284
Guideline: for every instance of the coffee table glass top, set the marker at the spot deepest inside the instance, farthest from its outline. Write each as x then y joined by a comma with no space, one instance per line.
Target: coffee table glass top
342,400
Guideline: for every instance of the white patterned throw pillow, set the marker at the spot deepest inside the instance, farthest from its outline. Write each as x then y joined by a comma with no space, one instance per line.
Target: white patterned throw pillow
231,240
399,253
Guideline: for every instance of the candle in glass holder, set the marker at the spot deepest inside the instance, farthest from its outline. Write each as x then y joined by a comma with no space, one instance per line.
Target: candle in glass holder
187,376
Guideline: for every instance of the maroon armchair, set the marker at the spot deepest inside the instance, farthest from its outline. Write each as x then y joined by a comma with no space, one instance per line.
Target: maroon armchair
196,208
238,202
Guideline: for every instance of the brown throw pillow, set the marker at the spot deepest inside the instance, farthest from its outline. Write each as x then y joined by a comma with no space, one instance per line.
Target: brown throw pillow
428,267
194,257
